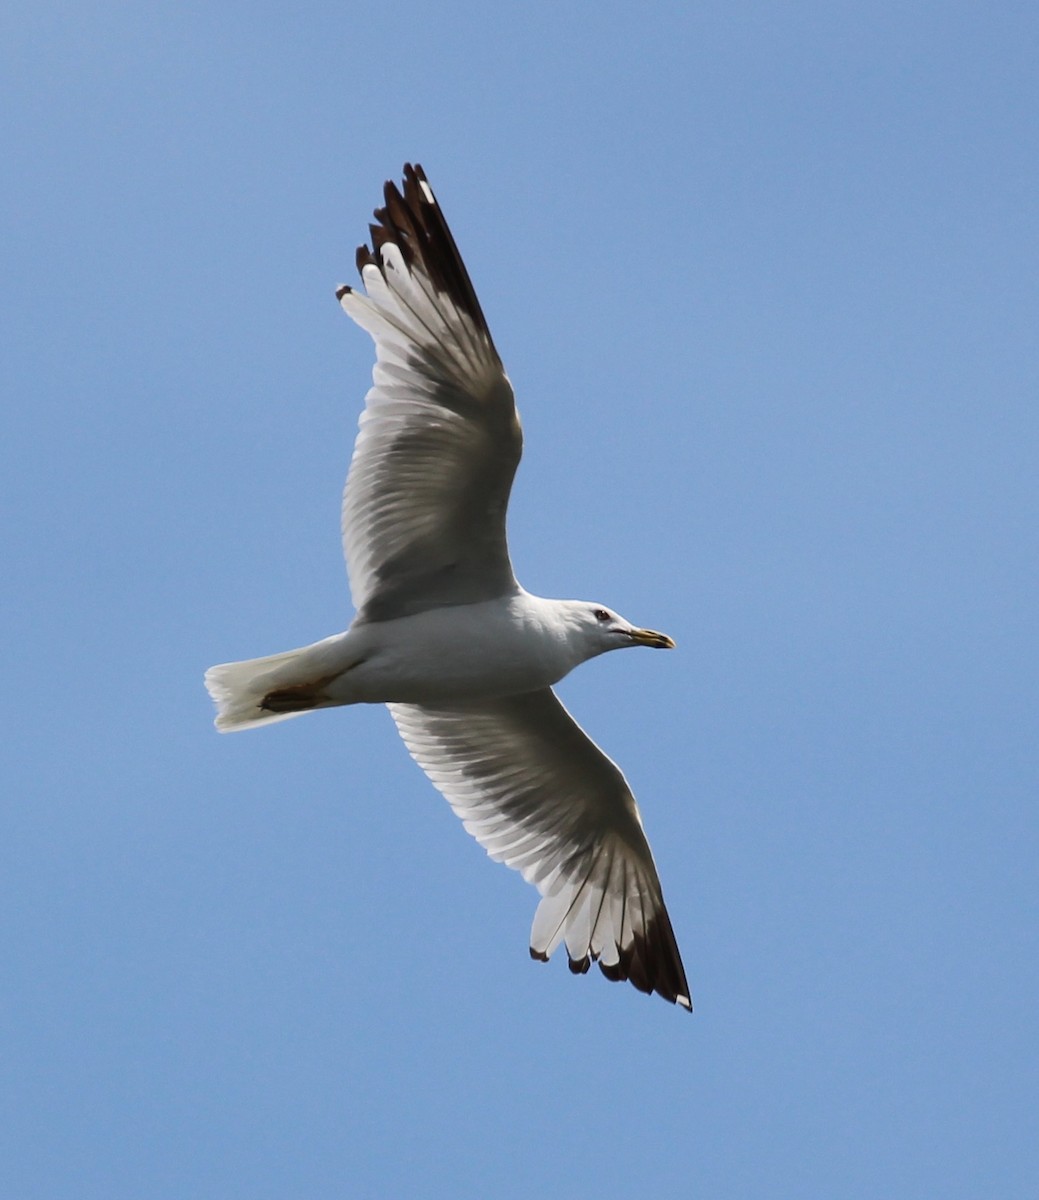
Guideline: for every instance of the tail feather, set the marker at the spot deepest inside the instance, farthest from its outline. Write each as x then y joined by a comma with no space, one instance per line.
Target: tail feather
260,691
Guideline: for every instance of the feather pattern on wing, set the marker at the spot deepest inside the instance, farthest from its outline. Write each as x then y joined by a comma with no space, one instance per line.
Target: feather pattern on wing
423,515
540,796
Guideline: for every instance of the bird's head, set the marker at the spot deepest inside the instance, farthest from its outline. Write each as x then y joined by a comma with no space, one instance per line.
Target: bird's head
603,630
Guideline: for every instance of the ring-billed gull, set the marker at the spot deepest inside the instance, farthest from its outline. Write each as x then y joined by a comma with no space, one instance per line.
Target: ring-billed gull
445,636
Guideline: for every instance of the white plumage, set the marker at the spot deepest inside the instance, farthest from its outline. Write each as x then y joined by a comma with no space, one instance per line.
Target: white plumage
444,634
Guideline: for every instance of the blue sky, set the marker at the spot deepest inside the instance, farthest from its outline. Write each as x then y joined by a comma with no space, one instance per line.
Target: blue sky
764,278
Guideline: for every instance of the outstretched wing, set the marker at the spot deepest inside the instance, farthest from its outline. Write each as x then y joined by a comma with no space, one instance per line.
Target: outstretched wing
424,506
540,796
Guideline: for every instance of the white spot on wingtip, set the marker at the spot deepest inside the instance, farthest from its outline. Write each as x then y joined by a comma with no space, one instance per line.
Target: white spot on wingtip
427,191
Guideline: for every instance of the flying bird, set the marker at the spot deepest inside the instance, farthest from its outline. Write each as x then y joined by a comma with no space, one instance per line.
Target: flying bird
444,634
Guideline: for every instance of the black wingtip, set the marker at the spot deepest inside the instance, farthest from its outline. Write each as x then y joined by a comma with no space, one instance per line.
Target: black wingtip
411,220
363,258
343,290
652,963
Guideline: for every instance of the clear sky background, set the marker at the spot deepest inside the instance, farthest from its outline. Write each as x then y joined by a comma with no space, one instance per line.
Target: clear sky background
764,277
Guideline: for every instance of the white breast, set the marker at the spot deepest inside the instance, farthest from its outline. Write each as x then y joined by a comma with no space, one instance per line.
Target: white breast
501,647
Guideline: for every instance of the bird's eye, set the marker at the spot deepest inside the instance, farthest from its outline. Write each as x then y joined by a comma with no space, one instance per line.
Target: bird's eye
601,614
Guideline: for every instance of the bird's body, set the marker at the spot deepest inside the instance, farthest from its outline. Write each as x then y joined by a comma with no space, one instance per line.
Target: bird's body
463,656
482,651
469,652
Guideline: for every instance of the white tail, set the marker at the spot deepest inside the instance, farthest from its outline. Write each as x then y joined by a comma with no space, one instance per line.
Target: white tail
239,689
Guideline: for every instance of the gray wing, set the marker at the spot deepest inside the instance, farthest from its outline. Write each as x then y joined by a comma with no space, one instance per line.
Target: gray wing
540,796
424,507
